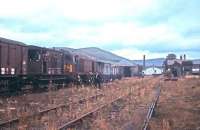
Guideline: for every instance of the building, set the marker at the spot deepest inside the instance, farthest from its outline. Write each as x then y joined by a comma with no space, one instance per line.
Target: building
177,67
152,70
196,67
136,70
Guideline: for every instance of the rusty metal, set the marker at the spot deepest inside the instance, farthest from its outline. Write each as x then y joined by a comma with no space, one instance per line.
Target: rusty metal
45,61
70,123
151,109
85,65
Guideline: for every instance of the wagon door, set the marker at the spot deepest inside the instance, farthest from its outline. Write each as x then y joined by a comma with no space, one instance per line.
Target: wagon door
0,59
25,60
12,59
4,58
18,62
93,69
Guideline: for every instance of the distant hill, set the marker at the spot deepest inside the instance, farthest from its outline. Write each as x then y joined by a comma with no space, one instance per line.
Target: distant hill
151,62
106,56
158,62
100,55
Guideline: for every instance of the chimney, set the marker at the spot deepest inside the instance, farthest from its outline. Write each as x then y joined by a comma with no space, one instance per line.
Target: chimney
143,61
181,58
184,57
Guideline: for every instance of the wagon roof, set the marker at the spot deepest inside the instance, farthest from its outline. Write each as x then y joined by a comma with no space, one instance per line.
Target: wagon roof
8,41
45,48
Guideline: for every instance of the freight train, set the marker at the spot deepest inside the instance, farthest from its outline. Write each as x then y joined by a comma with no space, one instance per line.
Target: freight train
22,65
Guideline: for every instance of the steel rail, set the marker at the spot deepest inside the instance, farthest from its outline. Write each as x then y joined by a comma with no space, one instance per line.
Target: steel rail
70,123
151,109
42,112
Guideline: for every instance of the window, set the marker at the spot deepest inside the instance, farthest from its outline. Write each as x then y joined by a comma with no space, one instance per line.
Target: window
34,55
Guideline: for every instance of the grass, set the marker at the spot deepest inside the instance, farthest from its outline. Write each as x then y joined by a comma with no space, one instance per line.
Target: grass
178,106
32,103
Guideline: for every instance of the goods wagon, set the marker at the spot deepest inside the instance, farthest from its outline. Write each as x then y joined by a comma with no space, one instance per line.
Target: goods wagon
13,63
107,69
13,57
115,70
107,74
44,61
98,67
85,65
21,65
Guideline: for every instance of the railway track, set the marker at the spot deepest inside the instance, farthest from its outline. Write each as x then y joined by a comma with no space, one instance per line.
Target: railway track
43,112
151,109
72,122
16,120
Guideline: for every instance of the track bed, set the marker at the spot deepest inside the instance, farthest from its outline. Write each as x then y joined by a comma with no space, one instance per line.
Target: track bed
127,110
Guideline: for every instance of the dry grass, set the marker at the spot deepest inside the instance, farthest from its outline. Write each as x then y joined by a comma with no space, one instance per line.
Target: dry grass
134,107
22,106
32,103
179,106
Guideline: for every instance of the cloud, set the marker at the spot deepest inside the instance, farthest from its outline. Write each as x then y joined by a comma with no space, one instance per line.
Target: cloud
75,9
102,9
126,33
136,54
153,27
156,38
22,8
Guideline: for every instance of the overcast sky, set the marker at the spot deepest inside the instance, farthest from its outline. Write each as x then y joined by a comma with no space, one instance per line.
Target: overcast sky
129,28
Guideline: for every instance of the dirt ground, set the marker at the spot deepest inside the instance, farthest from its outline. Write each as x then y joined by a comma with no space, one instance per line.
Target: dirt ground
179,106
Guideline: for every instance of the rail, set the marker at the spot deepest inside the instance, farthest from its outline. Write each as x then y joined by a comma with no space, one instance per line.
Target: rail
70,123
17,119
151,109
